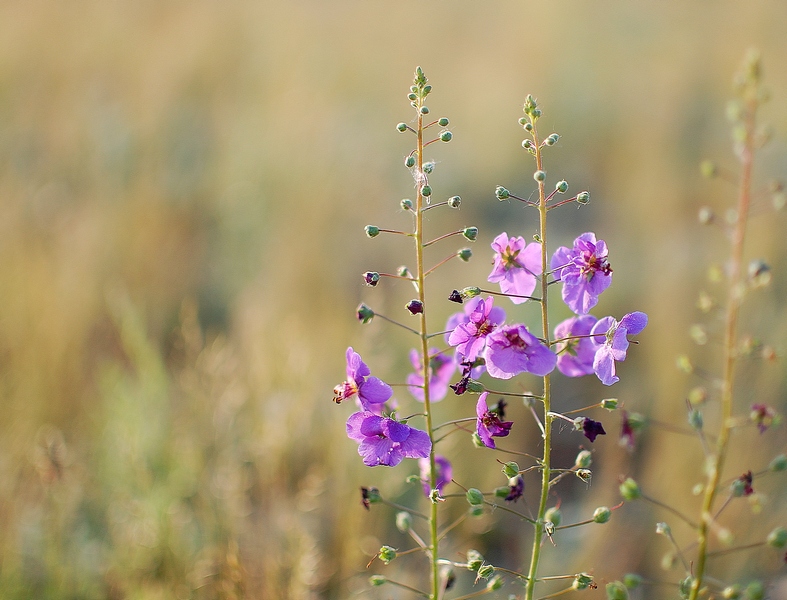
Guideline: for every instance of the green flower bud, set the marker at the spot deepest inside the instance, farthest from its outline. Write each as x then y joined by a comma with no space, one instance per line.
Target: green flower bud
777,538
410,479
474,560
561,186
426,191
387,554
495,583
552,139
442,121
445,136
725,536
475,387
427,89
454,201
502,193
406,204
486,571
528,144
511,469
465,254
709,169
403,271
601,515
502,492
632,580
471,233
536,112
404,521
698,395
755,590
617,591
584,459
402,127
609,403
476,511
582,581
539,176
779,463
528,127
424,110
732,592
409,162
698,334
695,419
377,580
474,497
522,121
429,166
554,515
684,587
630,490
372,231
412,97
583,198
684,364
364,313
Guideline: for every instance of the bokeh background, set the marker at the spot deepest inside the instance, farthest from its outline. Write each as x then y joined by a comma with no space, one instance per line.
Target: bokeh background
183,190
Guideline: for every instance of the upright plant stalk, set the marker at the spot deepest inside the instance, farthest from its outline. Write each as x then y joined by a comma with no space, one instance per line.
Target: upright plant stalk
734,298
546,473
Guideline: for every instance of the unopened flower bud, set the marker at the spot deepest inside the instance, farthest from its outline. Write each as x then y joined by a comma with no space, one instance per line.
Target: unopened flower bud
617,591
536,112
454,201
695,419
755,591
404,521
528,127
709,169
371,278
402,127
377,580
632,580
465,254
416,307
759,273
584,459
732,592
495,583
609,403
561,186
427,89
528,144
539,175
522,121
474,497
475,387
409,162
502,193
698,395
582,581
372,231
364,314
476,511
474,560
387,554
511,469
552,139
630,490
429,166
683,363
502,492
424,110
442,121
554,515
684,586
406,204
602,514
779,463
471,233
403,271
663,529
705,215
583,198
445,136
412,97
486,571
777,538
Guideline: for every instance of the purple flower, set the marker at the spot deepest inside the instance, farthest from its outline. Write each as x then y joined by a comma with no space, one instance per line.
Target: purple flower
489,424
372,392
515,489
763,416
384,441
444,473
469,337
441,369
584,270
516,266
590,428
575,357
611,334
513,349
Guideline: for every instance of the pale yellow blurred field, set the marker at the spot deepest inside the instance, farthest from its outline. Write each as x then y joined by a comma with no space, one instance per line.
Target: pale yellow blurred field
183,190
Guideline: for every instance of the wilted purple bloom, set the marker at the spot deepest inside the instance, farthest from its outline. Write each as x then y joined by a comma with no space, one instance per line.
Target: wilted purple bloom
469,337
516,266
513,349
763,416
592,428
489,424
384,441
584,270
611,334
441,369
372,392
444,473
516,489
575,357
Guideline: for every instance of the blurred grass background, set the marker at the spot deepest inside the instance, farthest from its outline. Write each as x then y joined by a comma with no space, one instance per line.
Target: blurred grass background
183,187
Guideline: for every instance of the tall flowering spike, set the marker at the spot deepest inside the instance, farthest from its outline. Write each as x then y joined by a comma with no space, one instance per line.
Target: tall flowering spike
444,473
441,369
489,424
469,337
575,357
611,334
372,392
516,265
584,271
384,441
513,349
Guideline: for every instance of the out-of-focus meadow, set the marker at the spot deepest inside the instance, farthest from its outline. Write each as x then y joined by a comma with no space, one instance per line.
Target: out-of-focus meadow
183,190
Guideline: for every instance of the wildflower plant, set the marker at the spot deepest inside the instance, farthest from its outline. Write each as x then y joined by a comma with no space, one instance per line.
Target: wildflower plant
726,395
484,342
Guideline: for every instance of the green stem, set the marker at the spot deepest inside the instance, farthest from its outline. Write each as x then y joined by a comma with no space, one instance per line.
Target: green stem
734,298
546,473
